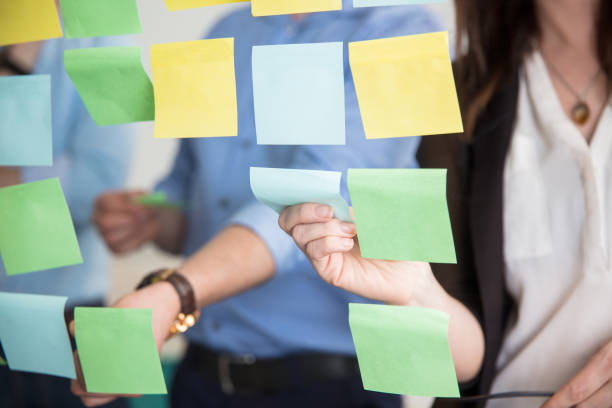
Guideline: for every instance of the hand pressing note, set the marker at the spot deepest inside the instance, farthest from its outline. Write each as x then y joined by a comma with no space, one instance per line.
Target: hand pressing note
332,248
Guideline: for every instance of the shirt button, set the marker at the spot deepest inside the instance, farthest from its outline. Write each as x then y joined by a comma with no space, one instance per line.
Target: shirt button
216,326
224,203
246,145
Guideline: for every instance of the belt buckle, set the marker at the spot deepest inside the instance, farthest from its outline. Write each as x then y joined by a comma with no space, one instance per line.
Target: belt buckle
224,363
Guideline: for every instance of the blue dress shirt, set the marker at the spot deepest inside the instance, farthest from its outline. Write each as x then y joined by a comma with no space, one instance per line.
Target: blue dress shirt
88,159
295,311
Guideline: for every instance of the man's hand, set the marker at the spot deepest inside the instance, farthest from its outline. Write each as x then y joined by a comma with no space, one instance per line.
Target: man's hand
591,387
123,223
165,303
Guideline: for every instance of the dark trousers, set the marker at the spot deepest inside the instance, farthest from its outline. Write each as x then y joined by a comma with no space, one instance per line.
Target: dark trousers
26,390
192,389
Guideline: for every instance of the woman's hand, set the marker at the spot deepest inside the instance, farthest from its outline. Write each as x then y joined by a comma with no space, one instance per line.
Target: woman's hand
591,387
164,301
332,248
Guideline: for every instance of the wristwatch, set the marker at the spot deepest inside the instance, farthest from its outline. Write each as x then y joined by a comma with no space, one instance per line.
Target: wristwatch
189,314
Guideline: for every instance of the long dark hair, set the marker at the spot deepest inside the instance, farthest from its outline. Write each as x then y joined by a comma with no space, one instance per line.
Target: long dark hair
493,39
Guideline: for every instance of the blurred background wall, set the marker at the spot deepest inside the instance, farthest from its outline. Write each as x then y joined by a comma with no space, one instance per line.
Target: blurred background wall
153,157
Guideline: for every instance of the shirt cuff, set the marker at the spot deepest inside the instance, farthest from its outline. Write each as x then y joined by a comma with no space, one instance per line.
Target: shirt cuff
264,222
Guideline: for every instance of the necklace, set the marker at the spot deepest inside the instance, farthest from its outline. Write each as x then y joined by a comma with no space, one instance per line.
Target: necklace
581,111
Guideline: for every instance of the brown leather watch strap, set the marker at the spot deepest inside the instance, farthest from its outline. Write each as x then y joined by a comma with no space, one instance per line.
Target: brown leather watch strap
185,292
179,282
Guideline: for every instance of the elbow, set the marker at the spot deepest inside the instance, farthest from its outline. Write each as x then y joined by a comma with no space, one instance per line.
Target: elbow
469,358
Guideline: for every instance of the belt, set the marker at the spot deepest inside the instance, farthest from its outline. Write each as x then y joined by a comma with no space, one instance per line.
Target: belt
248,375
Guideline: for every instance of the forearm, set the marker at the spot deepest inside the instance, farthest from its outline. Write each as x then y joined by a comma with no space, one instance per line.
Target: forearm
465,335
232,262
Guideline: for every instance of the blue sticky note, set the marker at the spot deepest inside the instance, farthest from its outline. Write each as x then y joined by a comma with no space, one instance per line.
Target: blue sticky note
377,3
298,93
33,334
281,188
25,121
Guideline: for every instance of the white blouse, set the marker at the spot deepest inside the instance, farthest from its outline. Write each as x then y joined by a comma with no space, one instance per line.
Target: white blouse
557,228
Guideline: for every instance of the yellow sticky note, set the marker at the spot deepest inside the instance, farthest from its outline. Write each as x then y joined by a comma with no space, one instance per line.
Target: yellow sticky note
195,89
276,7
28,20
405,86
187,4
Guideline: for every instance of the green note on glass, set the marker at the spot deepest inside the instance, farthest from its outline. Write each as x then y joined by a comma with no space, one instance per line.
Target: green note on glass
117,351
282,188
112,83
402,214
96,18
34,336
37,231
403,350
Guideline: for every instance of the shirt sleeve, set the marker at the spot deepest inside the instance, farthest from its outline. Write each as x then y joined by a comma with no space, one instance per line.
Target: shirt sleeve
358,153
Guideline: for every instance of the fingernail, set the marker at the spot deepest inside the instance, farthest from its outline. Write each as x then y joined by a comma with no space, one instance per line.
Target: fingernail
323,211
347,227
348,243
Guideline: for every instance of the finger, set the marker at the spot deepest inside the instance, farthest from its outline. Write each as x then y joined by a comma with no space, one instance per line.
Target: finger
304,214
71,328
593,376
304,233
602,398
327,246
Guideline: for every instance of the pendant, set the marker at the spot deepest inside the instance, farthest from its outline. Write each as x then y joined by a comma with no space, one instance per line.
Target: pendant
580,113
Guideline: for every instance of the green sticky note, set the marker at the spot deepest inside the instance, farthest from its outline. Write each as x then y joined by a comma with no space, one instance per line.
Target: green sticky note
281,188
403,350
158,199
402,214
96,18
37,231
112,83
117,351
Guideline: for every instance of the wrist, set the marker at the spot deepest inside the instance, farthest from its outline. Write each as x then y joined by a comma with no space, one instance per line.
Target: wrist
425,291
176,293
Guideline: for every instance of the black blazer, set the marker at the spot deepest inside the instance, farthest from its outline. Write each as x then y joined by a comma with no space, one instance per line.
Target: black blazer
475,198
